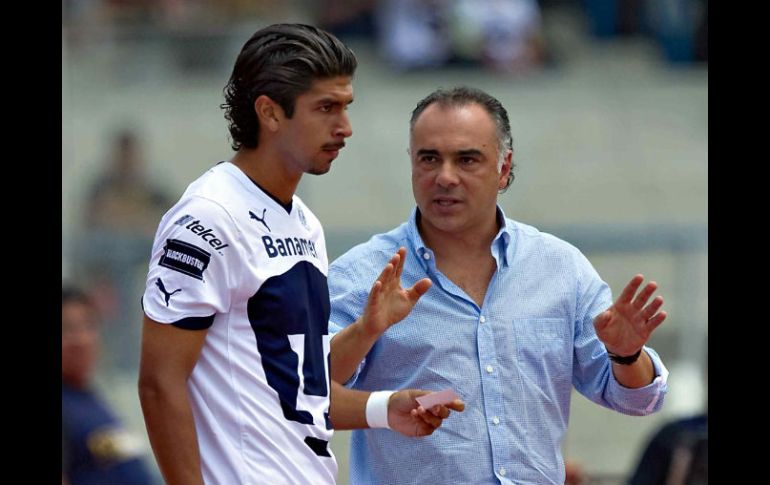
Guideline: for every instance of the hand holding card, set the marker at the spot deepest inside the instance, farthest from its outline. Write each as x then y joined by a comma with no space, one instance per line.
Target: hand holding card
441,397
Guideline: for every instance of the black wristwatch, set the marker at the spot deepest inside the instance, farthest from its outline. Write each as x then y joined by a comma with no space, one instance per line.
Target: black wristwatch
627,360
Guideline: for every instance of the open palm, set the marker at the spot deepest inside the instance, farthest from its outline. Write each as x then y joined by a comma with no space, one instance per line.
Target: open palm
389,303
627,325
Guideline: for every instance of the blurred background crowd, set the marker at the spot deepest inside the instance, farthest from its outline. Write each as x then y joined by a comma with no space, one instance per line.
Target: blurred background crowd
608,101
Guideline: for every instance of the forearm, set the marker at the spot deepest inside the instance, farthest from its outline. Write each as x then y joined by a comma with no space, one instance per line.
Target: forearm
347,409
348,348
639,374
170,426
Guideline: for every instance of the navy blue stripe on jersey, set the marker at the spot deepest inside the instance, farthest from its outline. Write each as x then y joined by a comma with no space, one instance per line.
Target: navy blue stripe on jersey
328,421
189,323
319,447
194,323
293,303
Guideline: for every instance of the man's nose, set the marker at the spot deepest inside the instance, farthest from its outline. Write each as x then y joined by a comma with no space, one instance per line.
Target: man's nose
447,175
344,128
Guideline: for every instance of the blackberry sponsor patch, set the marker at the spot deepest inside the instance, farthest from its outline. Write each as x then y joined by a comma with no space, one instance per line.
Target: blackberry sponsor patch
185,258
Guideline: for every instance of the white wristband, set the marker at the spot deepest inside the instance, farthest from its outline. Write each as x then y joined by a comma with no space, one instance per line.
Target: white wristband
377,409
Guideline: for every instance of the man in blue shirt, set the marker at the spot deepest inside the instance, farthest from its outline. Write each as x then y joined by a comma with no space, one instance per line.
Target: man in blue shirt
514,318
96,448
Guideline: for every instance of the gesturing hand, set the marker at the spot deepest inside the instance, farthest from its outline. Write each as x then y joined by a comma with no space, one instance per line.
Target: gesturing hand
389,303
626,326
406,416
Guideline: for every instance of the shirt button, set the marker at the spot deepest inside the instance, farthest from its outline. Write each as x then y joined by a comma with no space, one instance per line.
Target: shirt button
496,420
425,256
503,471
482,319
490,369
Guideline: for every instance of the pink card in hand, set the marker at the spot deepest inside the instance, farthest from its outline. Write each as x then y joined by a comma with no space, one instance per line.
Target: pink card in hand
442,397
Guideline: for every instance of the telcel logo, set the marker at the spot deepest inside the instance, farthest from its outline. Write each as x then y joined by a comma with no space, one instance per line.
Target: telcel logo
206,234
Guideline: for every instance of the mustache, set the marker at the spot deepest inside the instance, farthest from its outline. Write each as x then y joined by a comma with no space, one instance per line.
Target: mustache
334,146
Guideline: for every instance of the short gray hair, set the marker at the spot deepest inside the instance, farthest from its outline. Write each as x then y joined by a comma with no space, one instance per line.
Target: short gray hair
464,95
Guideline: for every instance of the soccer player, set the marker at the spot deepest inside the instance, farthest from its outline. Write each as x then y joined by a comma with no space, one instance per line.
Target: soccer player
234,380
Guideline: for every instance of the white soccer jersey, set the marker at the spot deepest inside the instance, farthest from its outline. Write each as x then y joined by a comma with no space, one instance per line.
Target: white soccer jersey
230,258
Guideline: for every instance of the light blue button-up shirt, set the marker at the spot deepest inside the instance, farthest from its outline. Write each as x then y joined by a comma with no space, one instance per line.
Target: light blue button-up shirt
513,360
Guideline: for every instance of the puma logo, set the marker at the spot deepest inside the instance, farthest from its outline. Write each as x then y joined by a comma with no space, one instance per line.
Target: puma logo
262,219
162,288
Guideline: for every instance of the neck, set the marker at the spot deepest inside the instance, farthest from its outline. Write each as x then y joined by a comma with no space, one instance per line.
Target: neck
459,243
265,167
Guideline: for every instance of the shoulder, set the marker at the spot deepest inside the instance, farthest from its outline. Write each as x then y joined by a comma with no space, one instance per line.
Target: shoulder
372,255
530,238
219,187
384,243
214,200
541,251
196,213
197,231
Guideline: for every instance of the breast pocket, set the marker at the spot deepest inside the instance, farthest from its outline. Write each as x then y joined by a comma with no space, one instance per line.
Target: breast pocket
544,351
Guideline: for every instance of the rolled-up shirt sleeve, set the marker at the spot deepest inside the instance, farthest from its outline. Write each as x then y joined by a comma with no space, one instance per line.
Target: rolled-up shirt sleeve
643,400
592,369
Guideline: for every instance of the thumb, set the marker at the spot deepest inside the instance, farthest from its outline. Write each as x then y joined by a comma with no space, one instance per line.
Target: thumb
601,320
420,288
457,405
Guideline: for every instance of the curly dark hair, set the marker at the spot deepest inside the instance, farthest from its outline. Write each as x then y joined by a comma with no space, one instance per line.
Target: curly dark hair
280,61
463,95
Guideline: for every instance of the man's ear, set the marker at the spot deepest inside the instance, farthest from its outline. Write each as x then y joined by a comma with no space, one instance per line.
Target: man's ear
505,170
268,113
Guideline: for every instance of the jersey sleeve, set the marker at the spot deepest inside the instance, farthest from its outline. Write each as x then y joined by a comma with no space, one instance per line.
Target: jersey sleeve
194,266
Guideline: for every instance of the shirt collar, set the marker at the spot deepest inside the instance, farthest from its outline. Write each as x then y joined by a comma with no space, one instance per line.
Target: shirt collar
502,244
415,239
254,186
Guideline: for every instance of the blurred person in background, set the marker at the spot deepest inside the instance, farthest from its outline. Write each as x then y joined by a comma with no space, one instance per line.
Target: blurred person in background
347,18
123,199
122,208
233,378
502,35
514,319
677,454
96,448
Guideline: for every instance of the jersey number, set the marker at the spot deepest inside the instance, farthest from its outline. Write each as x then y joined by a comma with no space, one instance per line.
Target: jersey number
289,315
